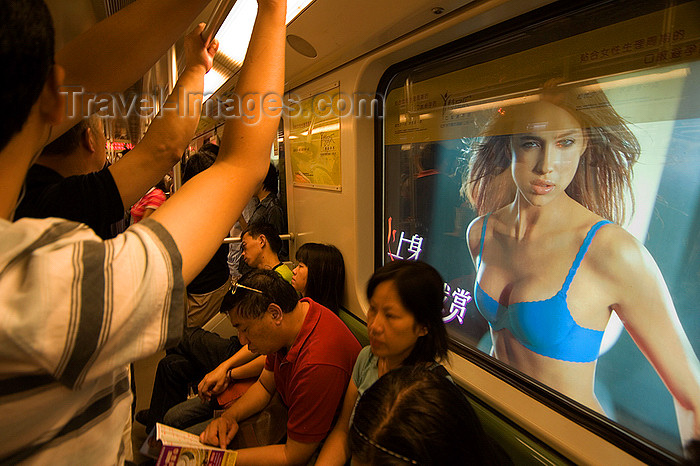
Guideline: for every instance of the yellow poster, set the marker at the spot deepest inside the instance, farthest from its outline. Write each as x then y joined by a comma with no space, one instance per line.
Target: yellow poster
314,139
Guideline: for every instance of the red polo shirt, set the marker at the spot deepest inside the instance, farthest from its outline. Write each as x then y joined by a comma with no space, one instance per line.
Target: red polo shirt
313,375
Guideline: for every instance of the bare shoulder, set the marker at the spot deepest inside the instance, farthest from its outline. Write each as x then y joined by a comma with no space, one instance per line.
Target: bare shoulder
618,255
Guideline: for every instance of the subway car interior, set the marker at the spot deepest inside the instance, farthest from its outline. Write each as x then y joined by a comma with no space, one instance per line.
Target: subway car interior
391,104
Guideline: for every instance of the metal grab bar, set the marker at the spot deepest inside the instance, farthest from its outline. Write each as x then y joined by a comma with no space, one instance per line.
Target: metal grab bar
221,11
237,239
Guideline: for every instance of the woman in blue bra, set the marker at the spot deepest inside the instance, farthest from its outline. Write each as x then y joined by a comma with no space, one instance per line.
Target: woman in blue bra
548,180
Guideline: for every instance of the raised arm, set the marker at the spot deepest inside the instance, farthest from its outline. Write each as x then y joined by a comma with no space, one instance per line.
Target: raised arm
646,309
93,62
201,213
171,131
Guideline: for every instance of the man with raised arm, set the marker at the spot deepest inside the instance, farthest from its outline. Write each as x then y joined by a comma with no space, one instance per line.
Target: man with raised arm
69,180
74,309
94,61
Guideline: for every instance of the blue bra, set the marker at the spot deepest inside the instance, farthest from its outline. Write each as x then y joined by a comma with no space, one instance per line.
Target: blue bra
544,327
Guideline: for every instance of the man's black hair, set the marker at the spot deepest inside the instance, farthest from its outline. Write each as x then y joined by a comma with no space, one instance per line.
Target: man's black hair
252,305
71,139
271,234
27,51
271,181
197,163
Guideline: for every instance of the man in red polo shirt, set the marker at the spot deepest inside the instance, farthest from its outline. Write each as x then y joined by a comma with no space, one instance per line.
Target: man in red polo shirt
310,356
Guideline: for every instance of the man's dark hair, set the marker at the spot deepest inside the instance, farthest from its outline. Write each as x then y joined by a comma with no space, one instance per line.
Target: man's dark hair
197,163
70,140
271,234
271,180
27,50
210,148
252,305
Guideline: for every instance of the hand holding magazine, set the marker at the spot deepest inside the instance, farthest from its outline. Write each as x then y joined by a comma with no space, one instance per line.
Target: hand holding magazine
181,448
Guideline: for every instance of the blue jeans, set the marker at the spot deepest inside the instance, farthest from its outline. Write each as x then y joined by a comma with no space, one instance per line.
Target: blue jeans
190,412
198,353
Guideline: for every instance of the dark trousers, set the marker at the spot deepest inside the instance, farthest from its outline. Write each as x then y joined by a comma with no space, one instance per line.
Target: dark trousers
196,355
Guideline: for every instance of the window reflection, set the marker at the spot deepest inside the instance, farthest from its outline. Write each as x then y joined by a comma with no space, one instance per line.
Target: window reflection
583,197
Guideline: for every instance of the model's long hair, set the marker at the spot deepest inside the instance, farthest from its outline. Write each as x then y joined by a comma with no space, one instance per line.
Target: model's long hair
325,280
604,173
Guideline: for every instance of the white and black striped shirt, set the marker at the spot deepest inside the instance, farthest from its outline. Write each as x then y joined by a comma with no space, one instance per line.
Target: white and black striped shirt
74,312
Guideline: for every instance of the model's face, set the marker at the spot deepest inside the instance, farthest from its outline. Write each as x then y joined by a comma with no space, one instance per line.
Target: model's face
258,334
251,249
300,277
546,153
393,331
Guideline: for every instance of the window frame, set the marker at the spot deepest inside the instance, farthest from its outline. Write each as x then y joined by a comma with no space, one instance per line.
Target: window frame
477,45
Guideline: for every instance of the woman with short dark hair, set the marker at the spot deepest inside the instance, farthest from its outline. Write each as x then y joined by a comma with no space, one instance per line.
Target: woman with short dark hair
405,328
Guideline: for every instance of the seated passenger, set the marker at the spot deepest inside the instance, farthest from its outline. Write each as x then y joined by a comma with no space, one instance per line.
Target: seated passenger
267,209
260,247
320,274
76,310
310,354
405,328
200,351
412,415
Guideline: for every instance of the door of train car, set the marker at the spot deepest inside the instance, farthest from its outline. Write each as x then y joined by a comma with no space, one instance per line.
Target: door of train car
386,152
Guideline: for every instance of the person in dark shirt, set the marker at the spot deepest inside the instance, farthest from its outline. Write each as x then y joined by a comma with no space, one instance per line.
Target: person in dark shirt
207,290
268,210
70,180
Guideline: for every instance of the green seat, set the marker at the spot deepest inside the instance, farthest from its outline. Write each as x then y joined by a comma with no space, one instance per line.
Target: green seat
520,445
356,326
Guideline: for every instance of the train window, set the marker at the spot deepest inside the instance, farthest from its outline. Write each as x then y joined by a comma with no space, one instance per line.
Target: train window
539,128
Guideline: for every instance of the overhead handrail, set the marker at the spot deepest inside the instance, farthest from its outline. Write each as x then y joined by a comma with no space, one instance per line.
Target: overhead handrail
237,239
221,11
